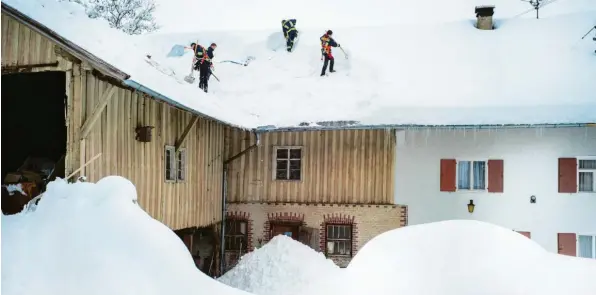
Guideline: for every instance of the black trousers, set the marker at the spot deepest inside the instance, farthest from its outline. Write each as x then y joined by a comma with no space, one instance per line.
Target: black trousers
205,73
329,60
290,40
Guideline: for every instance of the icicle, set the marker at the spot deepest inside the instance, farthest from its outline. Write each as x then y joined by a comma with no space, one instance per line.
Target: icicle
474,130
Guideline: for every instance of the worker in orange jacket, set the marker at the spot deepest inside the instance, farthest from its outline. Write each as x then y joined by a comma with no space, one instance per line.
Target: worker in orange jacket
326,43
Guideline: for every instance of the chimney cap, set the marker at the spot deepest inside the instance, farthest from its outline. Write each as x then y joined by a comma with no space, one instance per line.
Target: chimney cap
484,10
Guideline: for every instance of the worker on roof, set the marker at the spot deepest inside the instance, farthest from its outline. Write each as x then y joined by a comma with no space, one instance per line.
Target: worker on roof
326,43
290,32
203,63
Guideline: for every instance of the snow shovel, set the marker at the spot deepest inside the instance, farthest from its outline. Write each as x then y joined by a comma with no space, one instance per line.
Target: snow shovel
345,54
214,76
190,78
176,51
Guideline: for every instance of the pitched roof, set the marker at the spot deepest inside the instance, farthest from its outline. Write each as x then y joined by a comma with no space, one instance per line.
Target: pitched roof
526,72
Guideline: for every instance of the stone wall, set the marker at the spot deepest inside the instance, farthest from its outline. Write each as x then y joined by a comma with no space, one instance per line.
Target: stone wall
367,222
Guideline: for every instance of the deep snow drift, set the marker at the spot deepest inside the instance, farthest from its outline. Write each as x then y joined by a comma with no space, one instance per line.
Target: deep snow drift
282,266
463,258
527,71
174,15
87,238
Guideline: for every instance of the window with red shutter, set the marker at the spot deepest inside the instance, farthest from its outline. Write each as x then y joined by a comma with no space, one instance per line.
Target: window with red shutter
567,175
448,173
495,176
526,234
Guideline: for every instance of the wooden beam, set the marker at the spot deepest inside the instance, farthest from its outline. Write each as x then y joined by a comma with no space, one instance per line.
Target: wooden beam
180,141
103,102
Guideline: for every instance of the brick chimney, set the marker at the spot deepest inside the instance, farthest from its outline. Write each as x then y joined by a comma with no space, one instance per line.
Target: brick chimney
484,16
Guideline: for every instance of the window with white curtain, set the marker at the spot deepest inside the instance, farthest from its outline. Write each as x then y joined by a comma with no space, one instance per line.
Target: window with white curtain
471,175
586,177
586,246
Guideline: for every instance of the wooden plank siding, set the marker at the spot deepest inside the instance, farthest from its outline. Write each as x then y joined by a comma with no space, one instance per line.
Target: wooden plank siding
338,167
194,202
22,46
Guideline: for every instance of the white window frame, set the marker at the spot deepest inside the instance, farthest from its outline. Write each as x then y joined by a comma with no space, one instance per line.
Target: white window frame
586,170
471,189
173,177
593,244
274,162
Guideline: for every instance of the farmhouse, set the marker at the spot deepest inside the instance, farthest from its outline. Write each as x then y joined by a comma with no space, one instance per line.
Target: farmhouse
227,180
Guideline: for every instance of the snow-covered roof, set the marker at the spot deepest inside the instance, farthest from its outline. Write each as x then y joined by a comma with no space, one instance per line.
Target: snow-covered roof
526,72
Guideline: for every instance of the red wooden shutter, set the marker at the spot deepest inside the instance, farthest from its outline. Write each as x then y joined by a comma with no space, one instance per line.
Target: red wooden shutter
526,234
567,175
448,172
567,244
495,176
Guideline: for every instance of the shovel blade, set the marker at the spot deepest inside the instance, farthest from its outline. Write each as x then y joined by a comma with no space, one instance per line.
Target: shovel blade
189,79
176,51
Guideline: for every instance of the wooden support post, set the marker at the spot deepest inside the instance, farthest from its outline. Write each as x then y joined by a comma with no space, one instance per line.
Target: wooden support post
180,141
103,102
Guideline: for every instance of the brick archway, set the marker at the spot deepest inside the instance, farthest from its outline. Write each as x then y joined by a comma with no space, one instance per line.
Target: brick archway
243,216
281,218
339,219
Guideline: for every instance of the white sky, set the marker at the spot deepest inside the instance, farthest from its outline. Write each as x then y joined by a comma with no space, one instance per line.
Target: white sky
202,15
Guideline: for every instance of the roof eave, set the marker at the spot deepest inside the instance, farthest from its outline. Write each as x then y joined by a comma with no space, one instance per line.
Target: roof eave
265,129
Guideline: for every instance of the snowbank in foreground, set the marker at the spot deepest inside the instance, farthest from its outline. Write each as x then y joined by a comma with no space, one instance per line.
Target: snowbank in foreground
463,258
282,266
88,238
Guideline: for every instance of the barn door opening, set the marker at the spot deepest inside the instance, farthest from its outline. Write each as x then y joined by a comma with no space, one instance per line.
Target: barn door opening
33,135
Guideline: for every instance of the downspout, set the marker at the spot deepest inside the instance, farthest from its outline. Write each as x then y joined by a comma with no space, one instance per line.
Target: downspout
224,195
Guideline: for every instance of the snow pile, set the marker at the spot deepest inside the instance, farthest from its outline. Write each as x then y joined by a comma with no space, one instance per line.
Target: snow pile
463,258
282,266
174,15
527,71
87,238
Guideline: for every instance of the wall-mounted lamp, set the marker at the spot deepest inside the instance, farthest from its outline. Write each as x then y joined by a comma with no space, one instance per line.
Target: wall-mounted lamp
471,206
533,199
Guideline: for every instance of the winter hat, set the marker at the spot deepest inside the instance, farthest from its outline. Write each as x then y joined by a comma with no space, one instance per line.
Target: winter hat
329,32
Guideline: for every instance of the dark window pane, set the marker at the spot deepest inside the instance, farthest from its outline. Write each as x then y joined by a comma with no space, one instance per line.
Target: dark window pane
295,174
587,164
281,174
282,164
282,153
295,153
294,164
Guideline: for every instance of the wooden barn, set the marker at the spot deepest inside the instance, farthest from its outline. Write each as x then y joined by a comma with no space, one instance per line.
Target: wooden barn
69,111
65,111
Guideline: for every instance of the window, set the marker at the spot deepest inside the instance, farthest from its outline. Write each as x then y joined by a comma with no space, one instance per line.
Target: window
181,165
471,175
288,163
175,164
339,240
170,164
586,246
236,235
586,175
